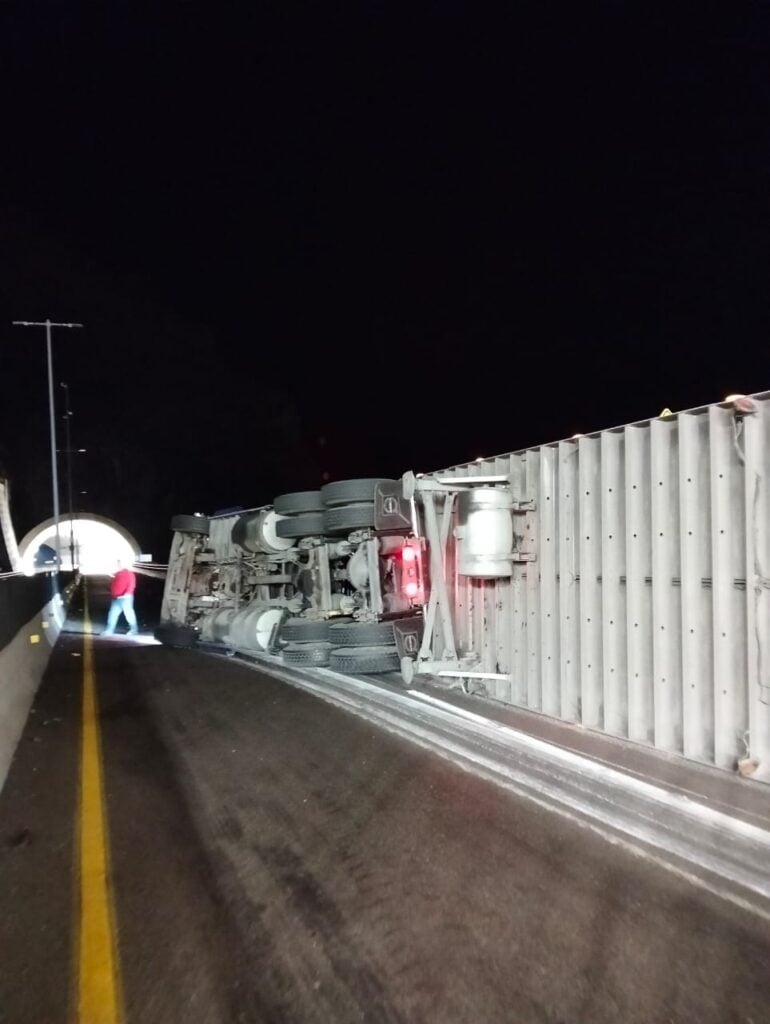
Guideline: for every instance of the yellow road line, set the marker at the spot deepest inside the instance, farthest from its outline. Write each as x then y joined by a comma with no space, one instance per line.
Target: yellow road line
99,989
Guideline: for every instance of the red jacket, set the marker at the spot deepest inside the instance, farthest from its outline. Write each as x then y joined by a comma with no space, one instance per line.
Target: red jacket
123,583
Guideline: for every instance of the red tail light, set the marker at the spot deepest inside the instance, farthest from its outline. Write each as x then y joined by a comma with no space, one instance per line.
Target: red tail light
411,572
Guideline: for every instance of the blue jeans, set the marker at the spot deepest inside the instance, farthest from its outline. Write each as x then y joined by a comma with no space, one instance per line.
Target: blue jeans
125,605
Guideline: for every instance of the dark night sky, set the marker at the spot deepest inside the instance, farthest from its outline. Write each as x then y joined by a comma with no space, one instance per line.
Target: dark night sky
358,238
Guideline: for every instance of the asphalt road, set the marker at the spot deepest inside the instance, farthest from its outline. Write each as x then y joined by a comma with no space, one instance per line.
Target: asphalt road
276,859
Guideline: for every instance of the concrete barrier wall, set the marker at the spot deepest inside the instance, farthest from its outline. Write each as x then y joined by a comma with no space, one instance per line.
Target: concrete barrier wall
21,597
31,616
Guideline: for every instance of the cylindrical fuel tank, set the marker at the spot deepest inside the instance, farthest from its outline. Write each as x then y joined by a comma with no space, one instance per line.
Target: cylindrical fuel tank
252,628
255,532
485,533
215,627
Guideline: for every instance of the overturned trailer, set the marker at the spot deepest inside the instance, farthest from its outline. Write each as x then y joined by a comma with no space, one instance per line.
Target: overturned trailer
618,580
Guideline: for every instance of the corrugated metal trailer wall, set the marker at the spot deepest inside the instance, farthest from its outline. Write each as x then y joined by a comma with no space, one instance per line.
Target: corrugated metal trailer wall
646,613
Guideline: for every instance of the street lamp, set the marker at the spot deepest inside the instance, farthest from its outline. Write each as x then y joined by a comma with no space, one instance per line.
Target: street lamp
48,324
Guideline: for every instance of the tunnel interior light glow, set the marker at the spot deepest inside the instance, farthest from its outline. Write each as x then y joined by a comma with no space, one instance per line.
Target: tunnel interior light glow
97,544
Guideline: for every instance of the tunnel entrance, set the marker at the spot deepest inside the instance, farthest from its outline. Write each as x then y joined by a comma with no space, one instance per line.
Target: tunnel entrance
87,541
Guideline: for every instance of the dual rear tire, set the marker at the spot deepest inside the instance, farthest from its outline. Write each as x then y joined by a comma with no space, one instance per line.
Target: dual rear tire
338,508
367,647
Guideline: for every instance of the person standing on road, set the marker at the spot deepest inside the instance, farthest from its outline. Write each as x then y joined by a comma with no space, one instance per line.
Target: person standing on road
122,589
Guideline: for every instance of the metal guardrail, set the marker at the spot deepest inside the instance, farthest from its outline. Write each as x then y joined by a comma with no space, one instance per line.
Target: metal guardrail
155,570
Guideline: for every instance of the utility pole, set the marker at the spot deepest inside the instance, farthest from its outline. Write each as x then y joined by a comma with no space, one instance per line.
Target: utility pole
67,422
48,324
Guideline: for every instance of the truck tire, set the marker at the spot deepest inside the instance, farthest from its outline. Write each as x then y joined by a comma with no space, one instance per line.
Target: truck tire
307,655
190,524
310,524
349,492
348,517
298,501
173,634
361,634
364,659
305,630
